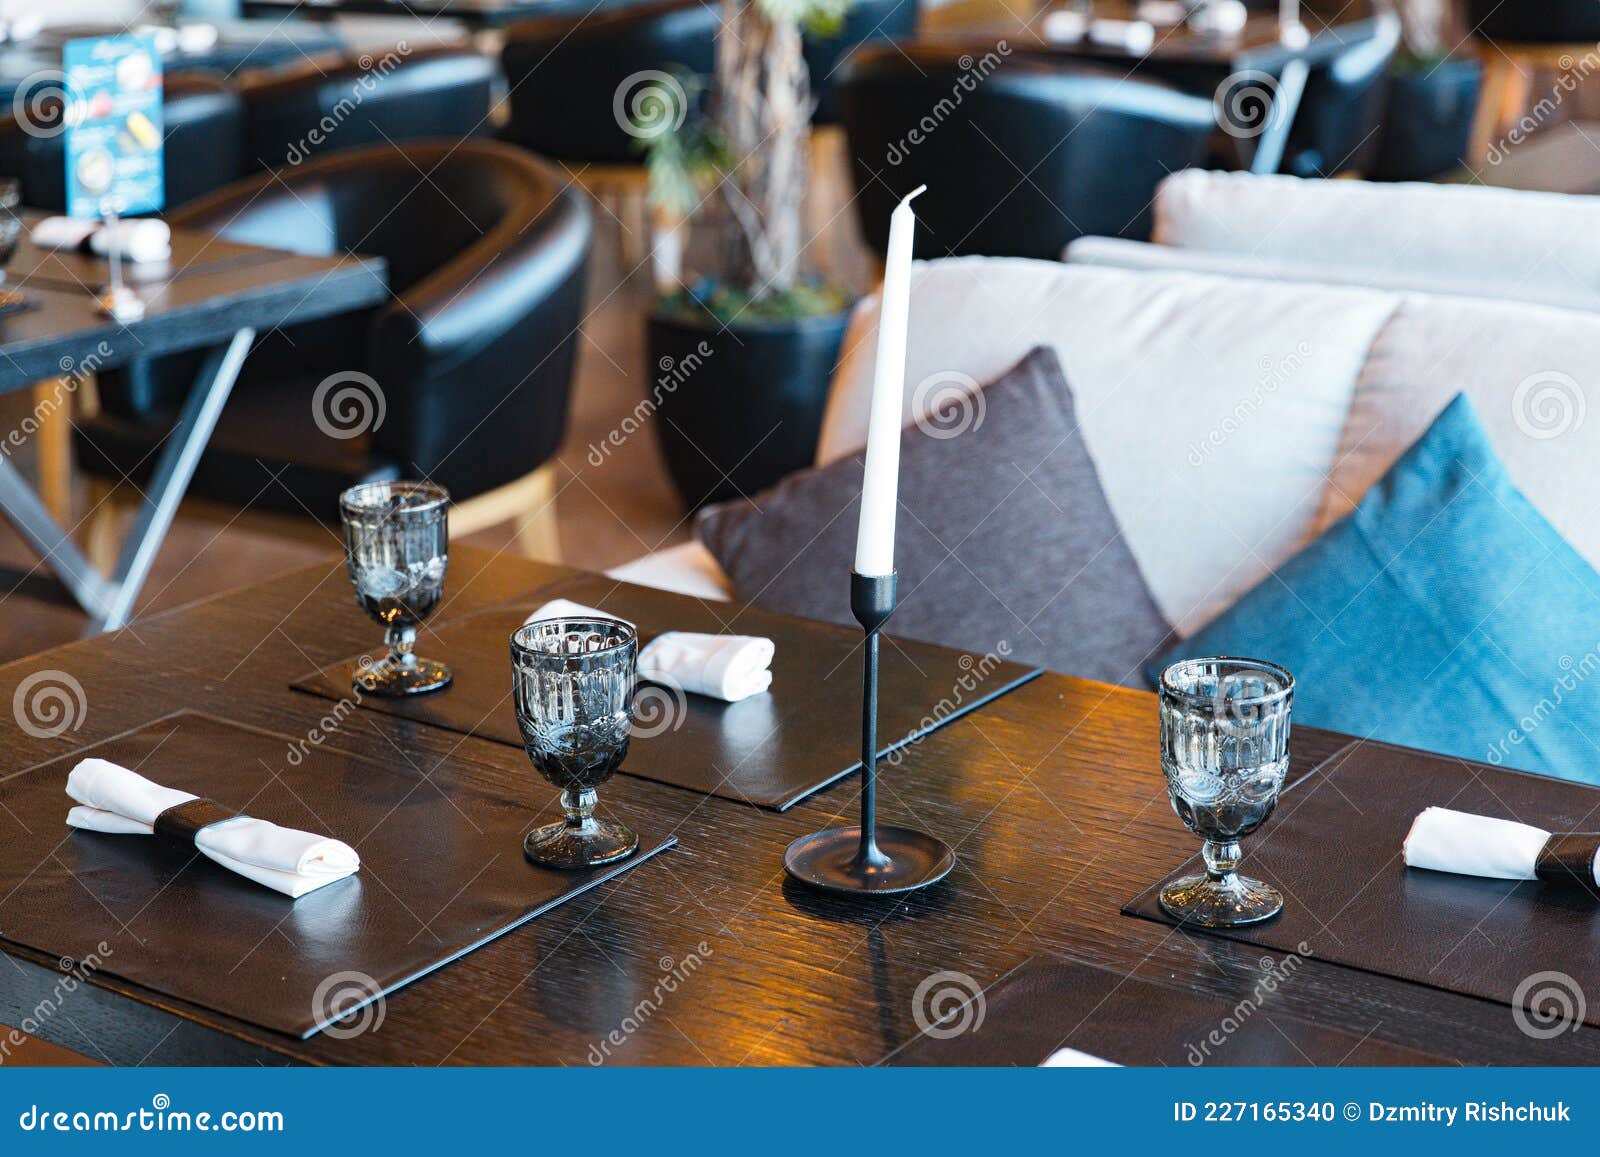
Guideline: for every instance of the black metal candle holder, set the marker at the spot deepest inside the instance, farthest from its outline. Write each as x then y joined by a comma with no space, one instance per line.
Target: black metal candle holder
869,858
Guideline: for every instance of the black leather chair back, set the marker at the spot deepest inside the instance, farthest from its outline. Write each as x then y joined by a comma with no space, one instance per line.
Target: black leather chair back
865,22
573,82
203,150
474,354
1340,121
376,98
1020,155
1535,21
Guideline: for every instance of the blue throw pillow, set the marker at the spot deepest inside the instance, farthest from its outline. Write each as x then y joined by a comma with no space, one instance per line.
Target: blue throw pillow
1444,613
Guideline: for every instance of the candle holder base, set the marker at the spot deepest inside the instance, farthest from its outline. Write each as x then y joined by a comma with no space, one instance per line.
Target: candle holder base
831,860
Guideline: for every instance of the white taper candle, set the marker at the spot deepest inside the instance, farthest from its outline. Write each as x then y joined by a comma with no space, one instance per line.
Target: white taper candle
880,487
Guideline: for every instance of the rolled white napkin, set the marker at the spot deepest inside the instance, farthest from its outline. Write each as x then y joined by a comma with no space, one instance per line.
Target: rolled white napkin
1134,35
140,240
1470,845
1073,1059
117,801
726,667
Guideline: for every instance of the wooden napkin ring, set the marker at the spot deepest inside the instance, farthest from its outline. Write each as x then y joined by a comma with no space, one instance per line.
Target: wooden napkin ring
180,824
1568,859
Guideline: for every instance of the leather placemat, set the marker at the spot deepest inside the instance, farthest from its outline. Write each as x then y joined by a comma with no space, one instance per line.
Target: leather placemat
1334,850
773,749
1043,1005
442,873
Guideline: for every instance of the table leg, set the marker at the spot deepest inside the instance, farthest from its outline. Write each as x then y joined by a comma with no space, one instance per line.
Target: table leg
171,478
20,505
1274,139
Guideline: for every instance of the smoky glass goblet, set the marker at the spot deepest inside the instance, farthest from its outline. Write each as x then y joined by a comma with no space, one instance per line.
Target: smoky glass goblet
1224,751
397,548
572,685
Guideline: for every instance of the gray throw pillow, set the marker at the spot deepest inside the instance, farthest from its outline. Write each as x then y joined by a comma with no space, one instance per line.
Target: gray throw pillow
1004,543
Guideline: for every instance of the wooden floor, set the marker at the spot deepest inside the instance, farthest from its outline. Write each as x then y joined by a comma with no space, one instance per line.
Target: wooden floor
607,515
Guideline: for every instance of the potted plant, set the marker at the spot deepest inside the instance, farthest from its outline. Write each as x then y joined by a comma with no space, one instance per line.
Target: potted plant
742,350
1432,98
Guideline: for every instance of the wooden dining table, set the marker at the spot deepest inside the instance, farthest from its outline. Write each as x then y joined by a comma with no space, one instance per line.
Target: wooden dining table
1051,795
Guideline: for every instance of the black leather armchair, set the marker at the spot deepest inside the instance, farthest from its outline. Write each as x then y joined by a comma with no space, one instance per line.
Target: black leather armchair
866,21
1338,127
1535,21
204,127
469,365
374,98
1021,155
566,75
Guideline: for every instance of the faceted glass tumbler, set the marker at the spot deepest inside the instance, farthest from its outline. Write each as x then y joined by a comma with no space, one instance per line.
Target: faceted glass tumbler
397,548
572,686
1224,751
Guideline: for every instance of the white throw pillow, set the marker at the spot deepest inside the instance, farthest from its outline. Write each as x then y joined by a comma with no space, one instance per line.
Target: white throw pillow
1532,372
1487,242
1213,408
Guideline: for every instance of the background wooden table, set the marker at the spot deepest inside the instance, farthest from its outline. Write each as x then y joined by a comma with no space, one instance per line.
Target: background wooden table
1052,797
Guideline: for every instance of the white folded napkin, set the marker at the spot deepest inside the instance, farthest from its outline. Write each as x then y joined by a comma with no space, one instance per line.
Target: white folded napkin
1073,1059
1469,845
140,240
122,802
726,667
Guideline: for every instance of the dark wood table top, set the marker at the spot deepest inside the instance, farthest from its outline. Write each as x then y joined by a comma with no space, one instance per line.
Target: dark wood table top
1257,46
473,13
1052,796
208,290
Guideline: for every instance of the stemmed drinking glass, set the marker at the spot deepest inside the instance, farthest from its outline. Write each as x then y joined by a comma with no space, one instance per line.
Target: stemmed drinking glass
1224,750
397,547
572,684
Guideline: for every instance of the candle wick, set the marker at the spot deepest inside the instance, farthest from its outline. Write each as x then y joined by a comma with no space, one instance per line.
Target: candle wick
917,192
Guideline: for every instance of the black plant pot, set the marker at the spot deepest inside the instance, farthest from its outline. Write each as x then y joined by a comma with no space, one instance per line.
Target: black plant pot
738,409
1428,124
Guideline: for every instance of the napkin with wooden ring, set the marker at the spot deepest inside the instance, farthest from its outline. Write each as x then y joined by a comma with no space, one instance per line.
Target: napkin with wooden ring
1471,845
117,801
